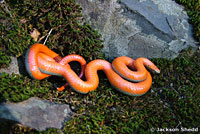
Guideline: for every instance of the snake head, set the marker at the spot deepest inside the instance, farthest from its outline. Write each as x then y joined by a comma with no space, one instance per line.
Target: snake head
153,68
150,65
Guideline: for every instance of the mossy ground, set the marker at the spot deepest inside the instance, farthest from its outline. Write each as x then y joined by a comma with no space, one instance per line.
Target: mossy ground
173,100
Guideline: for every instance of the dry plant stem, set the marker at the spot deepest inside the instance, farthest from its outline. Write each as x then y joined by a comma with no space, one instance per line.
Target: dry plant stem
47,36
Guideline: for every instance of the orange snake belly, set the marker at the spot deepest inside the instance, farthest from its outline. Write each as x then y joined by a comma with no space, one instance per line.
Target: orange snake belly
40,63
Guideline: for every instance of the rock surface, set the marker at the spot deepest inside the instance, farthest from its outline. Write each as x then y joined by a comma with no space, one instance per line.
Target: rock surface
13,67
139,28
36,113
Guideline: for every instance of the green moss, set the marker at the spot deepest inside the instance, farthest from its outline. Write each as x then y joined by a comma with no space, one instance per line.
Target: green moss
178,85
68,36
4,59
17,88
193,10
15,36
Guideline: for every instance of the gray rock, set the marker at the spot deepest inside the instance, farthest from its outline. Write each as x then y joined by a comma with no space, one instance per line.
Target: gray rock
17,66
139,28
13,68
36,113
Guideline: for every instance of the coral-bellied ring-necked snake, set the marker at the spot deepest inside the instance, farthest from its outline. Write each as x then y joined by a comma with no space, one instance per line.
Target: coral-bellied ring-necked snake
125,74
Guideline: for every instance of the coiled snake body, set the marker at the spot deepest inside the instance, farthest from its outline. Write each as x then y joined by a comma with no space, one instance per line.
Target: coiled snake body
42,62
